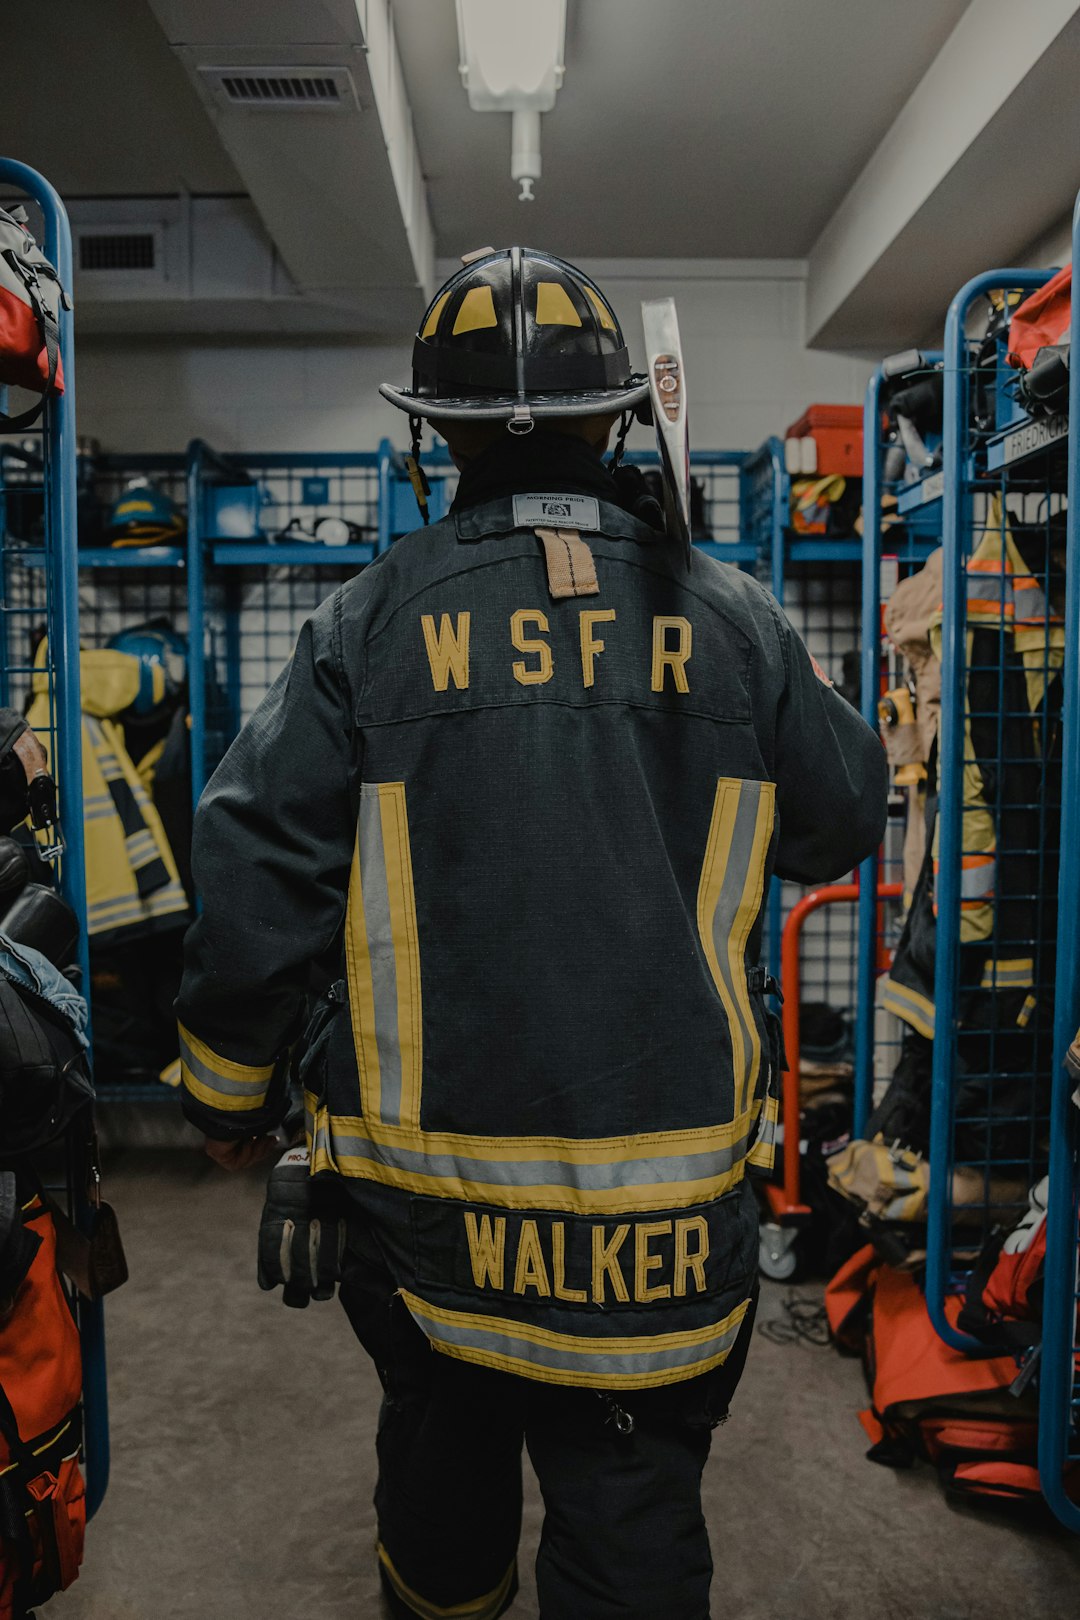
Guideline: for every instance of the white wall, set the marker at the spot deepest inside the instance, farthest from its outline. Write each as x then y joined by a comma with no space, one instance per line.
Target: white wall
748,371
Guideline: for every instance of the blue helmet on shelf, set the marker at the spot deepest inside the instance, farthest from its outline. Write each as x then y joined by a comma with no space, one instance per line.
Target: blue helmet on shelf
162,656
145,516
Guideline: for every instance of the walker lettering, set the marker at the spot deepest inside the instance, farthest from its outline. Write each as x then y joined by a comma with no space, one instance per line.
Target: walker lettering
642,1262
664,660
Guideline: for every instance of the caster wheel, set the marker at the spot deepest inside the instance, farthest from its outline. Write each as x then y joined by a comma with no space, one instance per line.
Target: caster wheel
777,1259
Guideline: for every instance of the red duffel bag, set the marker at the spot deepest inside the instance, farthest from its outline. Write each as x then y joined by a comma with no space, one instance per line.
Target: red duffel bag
30,301
42,1497
1041,321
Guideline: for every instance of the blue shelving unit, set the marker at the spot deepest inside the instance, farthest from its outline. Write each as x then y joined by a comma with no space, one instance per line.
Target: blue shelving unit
1059,1395
47,597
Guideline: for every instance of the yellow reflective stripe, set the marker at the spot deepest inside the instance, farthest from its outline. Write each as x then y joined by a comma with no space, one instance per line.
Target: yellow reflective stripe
361,992
482,1608
763,1153
1016,973
745,917
735,855
397,855
383,959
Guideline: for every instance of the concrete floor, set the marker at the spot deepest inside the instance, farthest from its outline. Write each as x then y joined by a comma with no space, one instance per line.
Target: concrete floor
243,1459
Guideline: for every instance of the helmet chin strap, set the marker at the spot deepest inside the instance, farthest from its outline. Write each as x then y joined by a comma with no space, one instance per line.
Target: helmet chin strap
418,478
626,422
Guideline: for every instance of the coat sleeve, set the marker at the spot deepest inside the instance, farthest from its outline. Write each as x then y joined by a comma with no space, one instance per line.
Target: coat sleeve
831,774
271,854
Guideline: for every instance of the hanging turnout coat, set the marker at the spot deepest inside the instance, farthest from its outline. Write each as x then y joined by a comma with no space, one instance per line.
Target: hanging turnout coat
533,815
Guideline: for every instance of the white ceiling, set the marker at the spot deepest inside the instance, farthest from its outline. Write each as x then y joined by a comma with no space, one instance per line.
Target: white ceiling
684,128
93,98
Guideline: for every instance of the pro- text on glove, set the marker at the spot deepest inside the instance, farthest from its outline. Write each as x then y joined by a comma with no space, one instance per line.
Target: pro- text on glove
301,1236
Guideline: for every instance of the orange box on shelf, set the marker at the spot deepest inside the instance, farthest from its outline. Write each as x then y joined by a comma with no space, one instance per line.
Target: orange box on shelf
827,439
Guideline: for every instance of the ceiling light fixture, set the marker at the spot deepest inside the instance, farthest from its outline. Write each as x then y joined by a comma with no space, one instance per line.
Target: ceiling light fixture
511,60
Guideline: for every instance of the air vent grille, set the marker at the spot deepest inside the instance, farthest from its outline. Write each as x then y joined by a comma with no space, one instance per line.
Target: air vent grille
115,251
250,91
282,89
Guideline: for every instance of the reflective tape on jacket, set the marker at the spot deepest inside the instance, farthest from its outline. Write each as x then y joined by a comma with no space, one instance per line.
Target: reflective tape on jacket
729,899
385,1140
567,1358
763,1153
218,1082
1015,974
627,1175
909,1005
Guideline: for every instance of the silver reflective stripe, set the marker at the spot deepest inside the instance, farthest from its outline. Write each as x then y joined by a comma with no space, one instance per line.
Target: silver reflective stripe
253,1090
624,1174
999,975
648,1357
736,870
380,940
976,882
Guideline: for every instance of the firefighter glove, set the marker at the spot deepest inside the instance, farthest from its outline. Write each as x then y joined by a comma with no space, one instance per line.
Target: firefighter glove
301,1235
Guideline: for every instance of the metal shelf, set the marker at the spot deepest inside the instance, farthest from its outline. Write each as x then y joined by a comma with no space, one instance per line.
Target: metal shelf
824,550
295,553
731,551
917,497
107,557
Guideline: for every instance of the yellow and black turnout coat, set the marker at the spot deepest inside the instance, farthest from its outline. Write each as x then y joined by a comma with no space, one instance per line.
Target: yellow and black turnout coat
526,780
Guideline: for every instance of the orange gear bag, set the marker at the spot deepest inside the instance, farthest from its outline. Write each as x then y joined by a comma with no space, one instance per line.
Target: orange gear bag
1041,321
42,1496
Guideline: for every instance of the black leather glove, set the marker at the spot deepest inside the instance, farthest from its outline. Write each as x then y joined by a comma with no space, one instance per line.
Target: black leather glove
301,1234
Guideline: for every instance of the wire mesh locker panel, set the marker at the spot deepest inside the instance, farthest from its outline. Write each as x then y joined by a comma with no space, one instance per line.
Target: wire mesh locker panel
989,901
38,598
1059,1395
270,537
901,528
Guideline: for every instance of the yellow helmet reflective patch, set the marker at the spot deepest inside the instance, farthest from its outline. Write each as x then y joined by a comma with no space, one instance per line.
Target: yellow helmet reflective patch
433,318
602,310
553,306
477,310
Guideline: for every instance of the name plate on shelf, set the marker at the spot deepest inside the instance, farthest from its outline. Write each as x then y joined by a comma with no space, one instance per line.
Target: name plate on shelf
1031,437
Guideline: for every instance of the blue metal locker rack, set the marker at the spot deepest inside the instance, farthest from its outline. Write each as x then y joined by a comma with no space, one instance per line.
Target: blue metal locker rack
991,1061
39,593
899,533
1059,1396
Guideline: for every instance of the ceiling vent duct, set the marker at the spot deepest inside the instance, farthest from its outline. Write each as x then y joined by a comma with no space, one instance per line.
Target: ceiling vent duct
127,250
282,89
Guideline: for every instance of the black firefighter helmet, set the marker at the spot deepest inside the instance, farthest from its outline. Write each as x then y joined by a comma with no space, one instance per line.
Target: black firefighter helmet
514,335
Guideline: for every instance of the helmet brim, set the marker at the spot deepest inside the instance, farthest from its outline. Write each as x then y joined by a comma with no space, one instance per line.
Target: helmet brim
501,407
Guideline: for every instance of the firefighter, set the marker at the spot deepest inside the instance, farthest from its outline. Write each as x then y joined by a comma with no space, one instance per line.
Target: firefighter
516,802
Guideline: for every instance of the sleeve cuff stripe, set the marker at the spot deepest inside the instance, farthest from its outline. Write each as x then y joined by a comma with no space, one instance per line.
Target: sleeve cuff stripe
210,1097
203,1058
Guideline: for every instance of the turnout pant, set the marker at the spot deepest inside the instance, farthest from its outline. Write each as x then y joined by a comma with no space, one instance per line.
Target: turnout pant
624,1536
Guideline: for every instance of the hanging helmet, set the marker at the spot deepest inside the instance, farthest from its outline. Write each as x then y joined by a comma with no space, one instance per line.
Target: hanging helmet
144,516
162,657
515,335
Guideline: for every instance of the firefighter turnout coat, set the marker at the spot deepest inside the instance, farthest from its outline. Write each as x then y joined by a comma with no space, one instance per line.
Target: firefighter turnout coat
528,789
